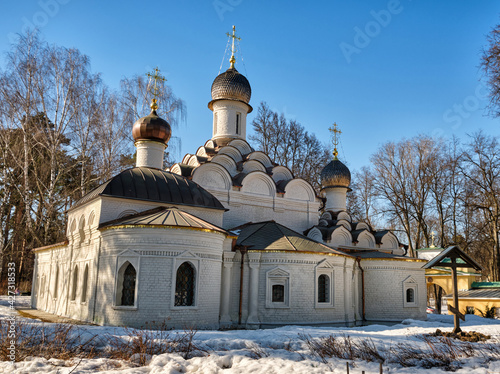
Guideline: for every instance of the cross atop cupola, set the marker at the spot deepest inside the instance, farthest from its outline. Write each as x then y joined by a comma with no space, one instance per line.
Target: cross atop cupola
336,132
232,60
153,88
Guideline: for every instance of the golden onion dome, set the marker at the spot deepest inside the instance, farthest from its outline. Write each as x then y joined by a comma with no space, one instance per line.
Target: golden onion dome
335,174
152,127
231,85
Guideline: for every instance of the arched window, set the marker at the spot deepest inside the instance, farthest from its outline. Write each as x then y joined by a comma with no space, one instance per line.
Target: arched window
81,229
323,288
56,283
84,283
238,115
184,285
410,295
128,286
73,286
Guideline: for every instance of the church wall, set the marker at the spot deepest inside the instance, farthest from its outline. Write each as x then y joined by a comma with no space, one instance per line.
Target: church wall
246,207
303,284
65,259
49,263
302,306
83,256
235,284
114,207
156,254
385,283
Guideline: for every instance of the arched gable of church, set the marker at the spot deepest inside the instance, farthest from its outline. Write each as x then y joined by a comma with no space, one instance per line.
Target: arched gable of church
241,145
227,162
281,173
262,157
258,183
340,237
389,241
299,189
212,175
253,165
201,151
365,240
232,152
315,234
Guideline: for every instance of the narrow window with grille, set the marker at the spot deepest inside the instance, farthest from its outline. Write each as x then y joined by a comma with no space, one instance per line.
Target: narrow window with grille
323,288
128,289
184,285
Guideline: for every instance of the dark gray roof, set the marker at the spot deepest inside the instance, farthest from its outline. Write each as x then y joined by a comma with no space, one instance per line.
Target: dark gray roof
163,216
156,185
482,293
271,236
377,254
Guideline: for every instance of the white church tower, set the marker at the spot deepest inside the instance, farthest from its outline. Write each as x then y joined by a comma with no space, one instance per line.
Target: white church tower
151,133
231,94
335,179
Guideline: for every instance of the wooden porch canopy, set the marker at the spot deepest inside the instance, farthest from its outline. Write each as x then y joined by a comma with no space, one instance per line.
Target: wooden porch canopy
453,257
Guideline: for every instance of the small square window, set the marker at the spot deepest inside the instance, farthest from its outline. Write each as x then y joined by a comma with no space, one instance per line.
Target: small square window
278,293
410,296
277,289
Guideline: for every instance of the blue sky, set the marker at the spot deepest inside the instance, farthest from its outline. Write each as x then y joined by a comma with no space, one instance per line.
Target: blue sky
382,70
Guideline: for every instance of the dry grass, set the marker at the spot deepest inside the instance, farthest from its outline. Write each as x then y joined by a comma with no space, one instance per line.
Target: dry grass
342,347
59,341
438,351
67,342
140,345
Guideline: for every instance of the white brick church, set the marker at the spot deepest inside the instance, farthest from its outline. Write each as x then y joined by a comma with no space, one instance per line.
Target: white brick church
226,238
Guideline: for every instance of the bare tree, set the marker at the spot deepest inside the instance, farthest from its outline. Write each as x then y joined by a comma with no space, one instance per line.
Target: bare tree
362,199
288,143
481,167
490,64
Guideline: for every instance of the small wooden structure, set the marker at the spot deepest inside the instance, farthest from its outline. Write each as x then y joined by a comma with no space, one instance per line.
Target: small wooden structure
453,257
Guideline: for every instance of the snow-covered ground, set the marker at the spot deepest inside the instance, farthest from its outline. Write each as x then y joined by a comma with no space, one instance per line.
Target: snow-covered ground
279,350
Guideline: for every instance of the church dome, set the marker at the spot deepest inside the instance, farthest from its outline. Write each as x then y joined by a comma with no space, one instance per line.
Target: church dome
335,174
149,184
152,127
231,85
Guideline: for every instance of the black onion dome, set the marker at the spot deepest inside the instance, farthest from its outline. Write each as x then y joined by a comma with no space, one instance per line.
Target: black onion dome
335,174
231,85
149,184
152,127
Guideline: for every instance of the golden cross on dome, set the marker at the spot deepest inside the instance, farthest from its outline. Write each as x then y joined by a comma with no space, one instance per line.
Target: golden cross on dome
232,60
156,76
335,131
